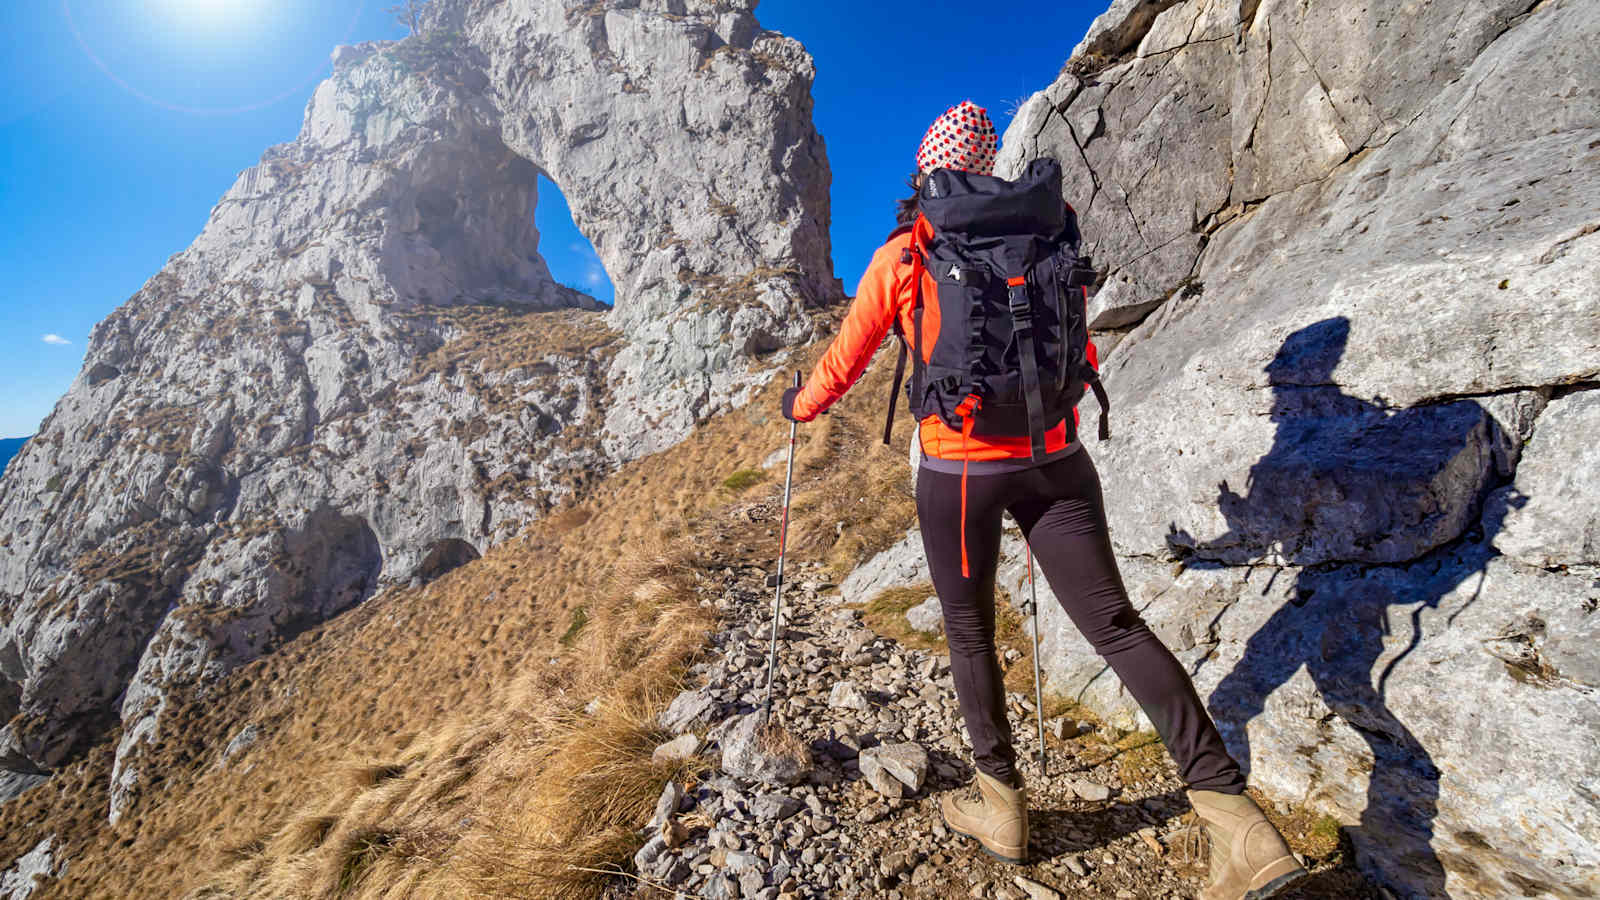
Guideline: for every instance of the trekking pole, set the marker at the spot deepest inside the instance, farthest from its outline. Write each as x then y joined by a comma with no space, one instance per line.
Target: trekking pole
1038,690
783,540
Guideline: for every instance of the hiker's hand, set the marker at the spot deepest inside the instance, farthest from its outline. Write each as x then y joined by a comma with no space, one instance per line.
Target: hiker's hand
788,404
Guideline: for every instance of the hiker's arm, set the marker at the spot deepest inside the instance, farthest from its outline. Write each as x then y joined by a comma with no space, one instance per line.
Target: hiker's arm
863,329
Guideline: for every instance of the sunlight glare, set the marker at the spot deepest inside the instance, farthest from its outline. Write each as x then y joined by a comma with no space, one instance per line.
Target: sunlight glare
212,12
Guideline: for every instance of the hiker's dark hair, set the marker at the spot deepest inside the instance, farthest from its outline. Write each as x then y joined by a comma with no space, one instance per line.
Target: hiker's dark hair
906,211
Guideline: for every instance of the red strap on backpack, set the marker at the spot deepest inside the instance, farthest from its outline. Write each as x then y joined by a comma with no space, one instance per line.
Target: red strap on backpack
968,406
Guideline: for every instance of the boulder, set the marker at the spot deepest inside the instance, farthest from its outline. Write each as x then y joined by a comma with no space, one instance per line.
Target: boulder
748,754
667,804
775,807
689,710
846,695
681,747
895,770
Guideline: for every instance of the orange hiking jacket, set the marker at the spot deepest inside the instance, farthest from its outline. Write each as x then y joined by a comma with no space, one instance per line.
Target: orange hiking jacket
885,293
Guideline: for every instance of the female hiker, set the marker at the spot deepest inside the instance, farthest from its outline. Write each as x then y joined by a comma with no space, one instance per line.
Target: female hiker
1041,474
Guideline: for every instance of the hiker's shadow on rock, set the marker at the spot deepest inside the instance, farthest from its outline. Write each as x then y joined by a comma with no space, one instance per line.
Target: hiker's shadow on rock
1347,480
1056,831
943,761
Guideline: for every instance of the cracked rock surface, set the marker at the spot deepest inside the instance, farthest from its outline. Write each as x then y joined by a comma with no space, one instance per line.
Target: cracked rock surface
1350,263
361,373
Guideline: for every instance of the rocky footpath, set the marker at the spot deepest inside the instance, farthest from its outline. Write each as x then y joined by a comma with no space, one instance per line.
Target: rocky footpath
361,372
1350,256
850,808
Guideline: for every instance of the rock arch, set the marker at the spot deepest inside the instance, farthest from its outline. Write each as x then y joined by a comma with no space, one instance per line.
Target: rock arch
684,145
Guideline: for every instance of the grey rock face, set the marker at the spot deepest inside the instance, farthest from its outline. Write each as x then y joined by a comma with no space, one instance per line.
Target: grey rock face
15,784
927,616
902,565
649,853
361,374
1551,517
1359,287
22,878
666,804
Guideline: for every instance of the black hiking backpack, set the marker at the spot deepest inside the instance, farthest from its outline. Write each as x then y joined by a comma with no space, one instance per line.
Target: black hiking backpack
1010,354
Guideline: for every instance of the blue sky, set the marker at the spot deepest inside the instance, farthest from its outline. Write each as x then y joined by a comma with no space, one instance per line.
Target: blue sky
123,121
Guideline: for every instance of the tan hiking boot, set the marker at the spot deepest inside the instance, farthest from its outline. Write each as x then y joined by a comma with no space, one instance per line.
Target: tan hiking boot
1249,859
998,817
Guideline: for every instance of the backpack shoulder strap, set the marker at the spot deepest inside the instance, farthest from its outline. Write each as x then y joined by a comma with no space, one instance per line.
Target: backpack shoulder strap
912,256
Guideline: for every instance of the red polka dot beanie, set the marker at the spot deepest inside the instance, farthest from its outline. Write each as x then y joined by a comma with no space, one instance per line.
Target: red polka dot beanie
963,138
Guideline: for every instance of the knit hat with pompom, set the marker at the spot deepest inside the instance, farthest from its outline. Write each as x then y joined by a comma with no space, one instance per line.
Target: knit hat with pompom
963,138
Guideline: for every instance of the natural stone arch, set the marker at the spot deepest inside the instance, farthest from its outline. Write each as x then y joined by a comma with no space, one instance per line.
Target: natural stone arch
681,137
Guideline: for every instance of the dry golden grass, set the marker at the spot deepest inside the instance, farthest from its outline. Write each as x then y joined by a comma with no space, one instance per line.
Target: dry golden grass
775,740
424,744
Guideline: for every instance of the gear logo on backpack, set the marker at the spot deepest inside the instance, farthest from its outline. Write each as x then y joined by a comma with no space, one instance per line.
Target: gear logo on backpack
1011,353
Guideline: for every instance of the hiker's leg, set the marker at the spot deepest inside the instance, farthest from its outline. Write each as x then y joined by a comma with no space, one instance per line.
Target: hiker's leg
968,605
1065,523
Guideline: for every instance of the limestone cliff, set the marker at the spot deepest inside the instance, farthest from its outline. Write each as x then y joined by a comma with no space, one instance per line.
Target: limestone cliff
1350,258
361,372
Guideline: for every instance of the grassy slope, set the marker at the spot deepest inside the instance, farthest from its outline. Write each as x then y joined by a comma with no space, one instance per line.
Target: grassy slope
424,743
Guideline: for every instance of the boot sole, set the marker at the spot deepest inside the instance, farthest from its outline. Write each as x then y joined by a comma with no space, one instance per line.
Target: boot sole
1014,860
1271,888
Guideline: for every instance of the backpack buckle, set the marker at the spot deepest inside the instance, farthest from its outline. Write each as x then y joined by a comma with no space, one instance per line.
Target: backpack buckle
1017,300
969,405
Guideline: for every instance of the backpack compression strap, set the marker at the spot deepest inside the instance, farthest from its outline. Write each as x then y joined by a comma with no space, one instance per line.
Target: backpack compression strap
1105,405
1022,329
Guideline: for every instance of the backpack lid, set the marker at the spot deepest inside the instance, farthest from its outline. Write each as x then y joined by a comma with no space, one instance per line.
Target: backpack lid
979,206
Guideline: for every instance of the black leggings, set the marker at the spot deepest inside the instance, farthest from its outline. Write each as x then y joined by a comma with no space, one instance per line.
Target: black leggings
1062,514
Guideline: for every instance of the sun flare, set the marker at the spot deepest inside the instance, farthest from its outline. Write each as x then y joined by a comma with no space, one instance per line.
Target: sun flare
210,11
